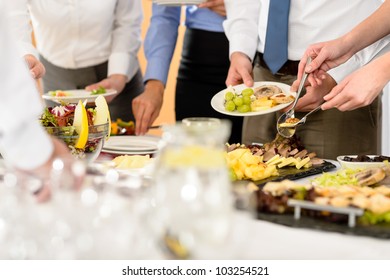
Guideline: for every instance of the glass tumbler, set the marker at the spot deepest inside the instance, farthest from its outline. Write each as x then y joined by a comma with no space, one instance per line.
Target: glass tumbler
192,188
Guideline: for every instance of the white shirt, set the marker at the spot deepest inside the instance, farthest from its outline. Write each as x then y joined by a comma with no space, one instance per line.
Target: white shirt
81,33
310,21
23,141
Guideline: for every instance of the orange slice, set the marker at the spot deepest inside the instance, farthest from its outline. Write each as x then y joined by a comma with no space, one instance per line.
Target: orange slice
80,123
102,113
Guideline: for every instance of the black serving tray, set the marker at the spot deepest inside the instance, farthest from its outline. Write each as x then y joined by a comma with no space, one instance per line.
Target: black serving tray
291,173
316,223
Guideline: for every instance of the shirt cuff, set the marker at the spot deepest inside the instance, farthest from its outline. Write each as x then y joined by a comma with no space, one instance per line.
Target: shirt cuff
340,72
249,47
119,63
26,48
158,71
27,147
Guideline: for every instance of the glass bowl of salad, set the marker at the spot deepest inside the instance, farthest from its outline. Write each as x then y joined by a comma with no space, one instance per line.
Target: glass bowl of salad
58,121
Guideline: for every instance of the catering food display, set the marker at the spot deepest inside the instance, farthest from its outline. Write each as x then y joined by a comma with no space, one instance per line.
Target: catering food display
255,162
83,130
366,189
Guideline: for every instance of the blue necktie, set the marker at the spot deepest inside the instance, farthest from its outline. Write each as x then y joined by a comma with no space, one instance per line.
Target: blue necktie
275,51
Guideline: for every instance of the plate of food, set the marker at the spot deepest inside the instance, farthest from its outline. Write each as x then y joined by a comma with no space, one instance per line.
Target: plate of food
262,98
73,96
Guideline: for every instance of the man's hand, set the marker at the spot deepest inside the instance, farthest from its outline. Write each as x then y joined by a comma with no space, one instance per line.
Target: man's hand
36,67
147,106
217,6
240,71
115,81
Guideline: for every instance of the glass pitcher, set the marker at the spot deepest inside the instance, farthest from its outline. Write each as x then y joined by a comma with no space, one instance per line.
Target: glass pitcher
193,189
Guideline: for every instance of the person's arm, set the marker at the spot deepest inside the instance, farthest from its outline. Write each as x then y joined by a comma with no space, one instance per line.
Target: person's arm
361,87
159,47
330,54
21,28
241,28
24,144
126,42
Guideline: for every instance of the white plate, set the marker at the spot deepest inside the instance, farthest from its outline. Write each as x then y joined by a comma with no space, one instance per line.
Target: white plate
78,94
115,152
217,102
146,143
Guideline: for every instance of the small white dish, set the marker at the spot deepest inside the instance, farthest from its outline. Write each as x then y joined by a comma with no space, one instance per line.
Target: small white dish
359,164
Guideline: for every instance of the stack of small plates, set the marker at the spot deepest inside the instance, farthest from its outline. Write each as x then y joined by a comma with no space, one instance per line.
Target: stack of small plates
131,145
178,2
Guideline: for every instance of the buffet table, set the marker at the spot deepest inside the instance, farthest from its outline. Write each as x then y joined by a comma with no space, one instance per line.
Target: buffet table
98,224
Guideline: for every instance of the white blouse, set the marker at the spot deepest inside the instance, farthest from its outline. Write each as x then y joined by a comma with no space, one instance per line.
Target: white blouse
81,33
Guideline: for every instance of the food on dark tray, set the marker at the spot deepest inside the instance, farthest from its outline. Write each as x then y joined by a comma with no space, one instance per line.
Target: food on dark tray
281,157
342,189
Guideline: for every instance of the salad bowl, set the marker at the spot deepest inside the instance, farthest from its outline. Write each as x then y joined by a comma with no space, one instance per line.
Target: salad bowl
95,141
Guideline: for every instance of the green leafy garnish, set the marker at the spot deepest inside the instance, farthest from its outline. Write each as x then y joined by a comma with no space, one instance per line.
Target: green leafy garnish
99,90
340,178
48,119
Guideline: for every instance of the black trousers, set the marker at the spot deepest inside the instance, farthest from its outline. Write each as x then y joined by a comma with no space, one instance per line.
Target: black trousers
68,79
202,73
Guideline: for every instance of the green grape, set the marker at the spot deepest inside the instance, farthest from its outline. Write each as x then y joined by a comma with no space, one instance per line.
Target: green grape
246,100
238,101
244,108
229,96
247,92
230,106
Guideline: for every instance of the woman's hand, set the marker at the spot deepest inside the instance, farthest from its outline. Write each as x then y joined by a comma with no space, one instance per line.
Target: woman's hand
361,87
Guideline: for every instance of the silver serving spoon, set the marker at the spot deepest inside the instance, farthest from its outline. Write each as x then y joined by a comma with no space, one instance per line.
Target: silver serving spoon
287,129
290,131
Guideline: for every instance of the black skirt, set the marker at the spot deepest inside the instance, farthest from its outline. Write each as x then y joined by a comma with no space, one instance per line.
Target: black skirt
202,73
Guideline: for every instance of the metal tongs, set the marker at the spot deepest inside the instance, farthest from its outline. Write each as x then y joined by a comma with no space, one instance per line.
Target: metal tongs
285,125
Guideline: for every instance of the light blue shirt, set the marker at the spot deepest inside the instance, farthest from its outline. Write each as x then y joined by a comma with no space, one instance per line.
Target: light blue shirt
162,34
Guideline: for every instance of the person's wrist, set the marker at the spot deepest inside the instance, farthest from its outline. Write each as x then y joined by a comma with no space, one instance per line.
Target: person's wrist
239,55
155,86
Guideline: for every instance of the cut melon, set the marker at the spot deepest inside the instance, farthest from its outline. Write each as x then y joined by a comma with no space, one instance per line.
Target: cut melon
80,123
102,113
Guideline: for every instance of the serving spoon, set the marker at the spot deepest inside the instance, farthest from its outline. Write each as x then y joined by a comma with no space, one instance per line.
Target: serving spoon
285,131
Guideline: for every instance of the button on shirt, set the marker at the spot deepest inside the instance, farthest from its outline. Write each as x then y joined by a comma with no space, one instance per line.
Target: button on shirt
162,34
81,33
309,22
